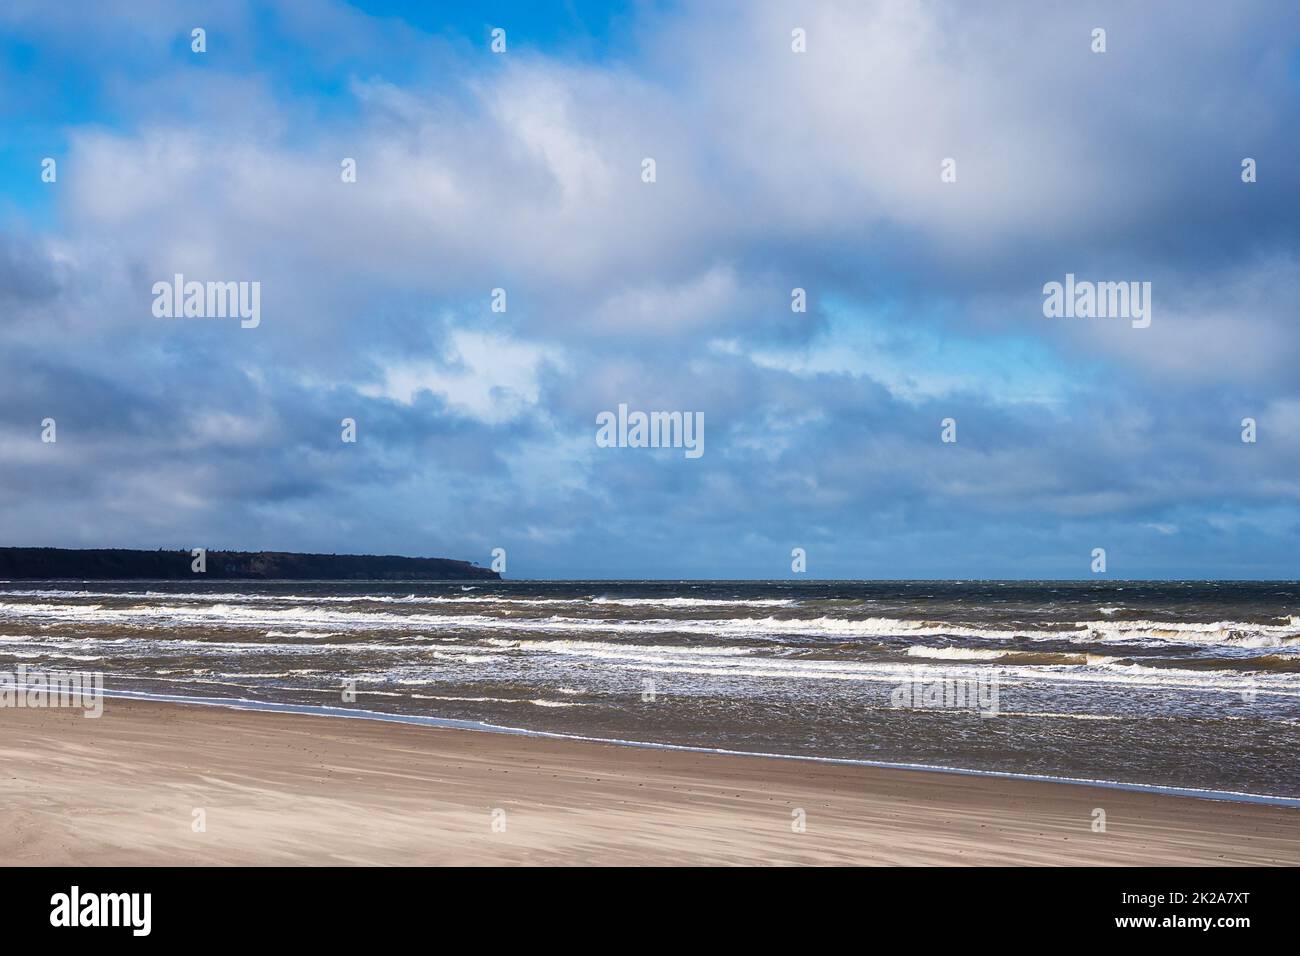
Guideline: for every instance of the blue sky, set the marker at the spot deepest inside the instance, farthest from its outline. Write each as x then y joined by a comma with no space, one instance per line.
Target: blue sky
775,170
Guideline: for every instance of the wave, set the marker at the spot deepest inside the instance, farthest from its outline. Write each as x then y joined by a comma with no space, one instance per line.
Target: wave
312,634
596,647
1106,673
1227,633
44,655
1016,666
695,602
309,621
955,653
433,599
1001,656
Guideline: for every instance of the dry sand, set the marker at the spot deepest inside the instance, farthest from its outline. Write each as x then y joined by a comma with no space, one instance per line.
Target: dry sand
293,789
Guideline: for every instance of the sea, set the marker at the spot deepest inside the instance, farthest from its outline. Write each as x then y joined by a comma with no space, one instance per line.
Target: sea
1189,685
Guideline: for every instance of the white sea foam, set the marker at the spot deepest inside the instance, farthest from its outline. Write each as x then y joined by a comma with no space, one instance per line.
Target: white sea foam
33,655
1228,633
1129,676
433,599
695,602
311,620
603,647
745,648
311,634
955,653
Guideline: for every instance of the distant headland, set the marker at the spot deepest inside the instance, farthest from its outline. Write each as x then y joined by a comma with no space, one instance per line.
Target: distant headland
109,564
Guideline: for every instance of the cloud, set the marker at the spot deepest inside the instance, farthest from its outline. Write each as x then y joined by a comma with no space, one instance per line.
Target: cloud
775,170
490,378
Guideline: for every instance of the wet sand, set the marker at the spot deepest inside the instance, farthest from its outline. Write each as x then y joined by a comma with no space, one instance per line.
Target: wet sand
132,788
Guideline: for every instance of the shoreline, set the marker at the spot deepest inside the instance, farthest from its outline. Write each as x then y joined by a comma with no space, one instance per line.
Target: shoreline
472,726
274,787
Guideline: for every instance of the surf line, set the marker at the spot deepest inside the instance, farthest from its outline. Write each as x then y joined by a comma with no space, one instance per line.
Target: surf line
451,723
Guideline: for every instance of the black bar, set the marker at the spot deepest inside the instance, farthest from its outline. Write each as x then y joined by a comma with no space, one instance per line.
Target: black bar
330,906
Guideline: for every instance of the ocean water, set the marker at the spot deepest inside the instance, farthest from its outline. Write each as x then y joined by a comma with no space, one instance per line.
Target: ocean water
1179,684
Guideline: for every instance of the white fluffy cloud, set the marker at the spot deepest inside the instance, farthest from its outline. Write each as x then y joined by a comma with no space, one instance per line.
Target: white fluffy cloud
775,170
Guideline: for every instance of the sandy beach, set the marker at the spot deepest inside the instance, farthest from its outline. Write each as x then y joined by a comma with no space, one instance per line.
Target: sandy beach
161,783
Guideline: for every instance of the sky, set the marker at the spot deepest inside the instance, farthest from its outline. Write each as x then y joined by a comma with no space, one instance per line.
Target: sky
775,169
